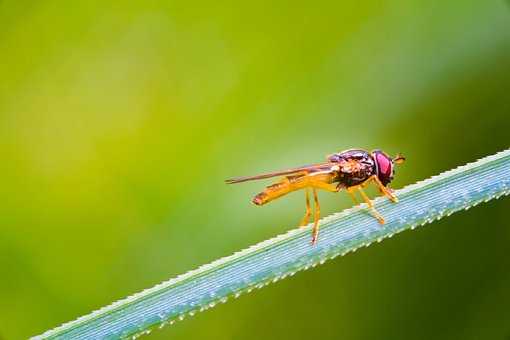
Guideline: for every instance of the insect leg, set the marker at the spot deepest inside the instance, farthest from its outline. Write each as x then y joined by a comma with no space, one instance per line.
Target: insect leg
325,186
308,212
371,206
386,191
315,230
350,191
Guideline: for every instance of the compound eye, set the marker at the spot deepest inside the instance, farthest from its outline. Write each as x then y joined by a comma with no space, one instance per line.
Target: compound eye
384,164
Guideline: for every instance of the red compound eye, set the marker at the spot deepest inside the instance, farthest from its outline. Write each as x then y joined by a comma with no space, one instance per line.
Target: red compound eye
384,167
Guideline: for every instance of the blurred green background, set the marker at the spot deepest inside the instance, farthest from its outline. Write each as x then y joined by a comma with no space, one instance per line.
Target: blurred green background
120,121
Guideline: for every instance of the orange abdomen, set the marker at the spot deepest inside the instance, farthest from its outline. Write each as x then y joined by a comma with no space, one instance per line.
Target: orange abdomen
290,184
274,191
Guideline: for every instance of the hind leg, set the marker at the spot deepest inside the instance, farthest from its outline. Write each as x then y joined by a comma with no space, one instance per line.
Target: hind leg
315,230
308,212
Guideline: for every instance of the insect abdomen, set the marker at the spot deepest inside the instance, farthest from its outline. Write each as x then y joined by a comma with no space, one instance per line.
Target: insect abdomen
274,191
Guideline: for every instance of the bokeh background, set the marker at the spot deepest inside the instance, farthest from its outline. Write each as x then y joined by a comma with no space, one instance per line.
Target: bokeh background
120,121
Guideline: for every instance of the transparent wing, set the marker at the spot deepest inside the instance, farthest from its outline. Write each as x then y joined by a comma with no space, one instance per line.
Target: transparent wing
320,167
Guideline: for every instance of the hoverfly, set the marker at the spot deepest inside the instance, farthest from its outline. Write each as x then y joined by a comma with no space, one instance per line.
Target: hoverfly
350,170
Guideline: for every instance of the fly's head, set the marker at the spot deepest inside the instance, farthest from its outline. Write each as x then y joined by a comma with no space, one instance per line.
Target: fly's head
385,165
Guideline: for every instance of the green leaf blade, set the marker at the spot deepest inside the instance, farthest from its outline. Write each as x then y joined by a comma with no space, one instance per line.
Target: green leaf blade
282,256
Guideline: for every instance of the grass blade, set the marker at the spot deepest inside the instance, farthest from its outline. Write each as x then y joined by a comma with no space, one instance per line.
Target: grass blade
286,254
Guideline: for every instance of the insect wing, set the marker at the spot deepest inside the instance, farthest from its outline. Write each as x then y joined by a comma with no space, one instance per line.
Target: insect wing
321,167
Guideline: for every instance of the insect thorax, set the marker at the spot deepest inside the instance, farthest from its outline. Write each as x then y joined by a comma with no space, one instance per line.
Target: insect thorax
355,166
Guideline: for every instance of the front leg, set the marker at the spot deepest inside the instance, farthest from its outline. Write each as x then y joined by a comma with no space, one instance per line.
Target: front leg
384,190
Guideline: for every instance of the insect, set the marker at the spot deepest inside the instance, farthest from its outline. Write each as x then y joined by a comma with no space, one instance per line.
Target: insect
350,170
